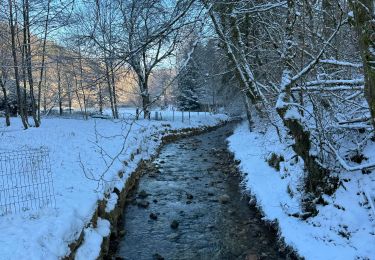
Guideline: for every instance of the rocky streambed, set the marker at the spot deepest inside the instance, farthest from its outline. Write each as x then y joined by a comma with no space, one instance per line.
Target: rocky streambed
189,205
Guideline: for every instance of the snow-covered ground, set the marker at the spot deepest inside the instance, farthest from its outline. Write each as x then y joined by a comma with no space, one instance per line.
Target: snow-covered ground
343,229
99,145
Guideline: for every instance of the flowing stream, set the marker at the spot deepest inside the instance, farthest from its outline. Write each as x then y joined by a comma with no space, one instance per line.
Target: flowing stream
189,205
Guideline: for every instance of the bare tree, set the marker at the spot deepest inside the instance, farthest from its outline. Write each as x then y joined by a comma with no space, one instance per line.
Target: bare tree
149,40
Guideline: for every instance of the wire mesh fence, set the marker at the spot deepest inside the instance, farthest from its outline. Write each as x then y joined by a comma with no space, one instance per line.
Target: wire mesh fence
26,181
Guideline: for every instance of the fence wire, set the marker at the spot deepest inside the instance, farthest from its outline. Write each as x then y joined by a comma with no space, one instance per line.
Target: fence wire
25,181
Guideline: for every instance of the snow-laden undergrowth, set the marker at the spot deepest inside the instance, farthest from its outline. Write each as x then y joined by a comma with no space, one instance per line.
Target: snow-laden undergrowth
46,234
343,229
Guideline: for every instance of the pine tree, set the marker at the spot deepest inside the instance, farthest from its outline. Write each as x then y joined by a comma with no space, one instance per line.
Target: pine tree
187,97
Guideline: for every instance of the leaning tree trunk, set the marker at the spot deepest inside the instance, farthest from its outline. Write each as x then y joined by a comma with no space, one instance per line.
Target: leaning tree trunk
233,45
291,116
364,20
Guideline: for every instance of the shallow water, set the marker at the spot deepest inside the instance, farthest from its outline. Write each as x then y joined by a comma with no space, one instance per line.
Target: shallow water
194,183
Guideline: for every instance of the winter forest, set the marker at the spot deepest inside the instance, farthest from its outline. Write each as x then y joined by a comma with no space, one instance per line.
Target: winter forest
187,129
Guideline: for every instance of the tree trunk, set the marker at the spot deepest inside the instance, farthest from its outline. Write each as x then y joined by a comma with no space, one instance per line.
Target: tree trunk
114,90
247,104
100,98
145,97
22,49
15,63
81,85
24,80
43,61
59,87
45,92
110,89
69,90
6,104
77,94
29,61
365,24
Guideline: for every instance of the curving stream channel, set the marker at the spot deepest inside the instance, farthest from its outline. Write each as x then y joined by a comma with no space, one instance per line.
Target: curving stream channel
189,205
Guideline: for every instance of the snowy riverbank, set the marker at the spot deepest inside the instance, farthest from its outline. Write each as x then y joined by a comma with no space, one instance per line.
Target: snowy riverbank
96,144
343,229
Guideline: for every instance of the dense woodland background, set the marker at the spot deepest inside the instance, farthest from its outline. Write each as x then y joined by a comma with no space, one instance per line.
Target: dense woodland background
304,67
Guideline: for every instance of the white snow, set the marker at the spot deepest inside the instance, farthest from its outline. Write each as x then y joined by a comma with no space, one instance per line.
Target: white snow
111,202
46,234
90,249
343,229
292,113
341,63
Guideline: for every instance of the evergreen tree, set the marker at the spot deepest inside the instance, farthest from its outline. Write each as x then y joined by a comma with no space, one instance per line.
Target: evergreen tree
187,97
